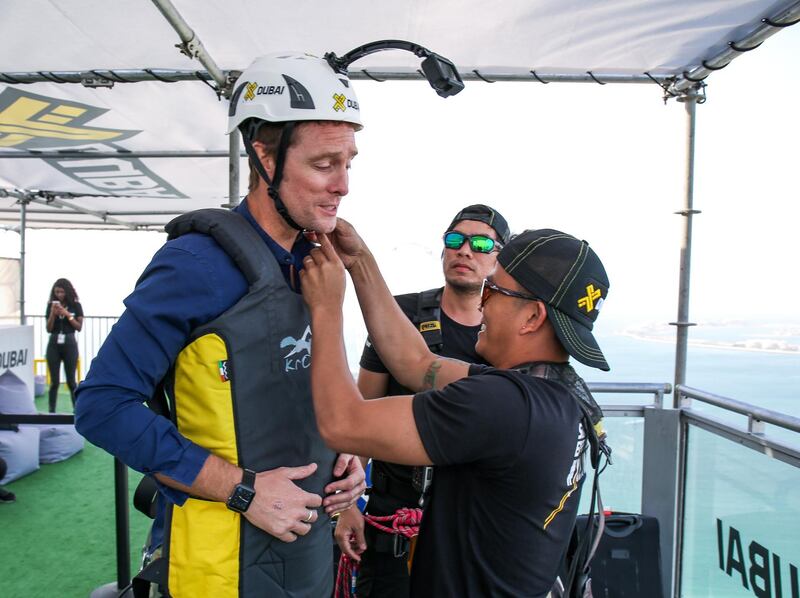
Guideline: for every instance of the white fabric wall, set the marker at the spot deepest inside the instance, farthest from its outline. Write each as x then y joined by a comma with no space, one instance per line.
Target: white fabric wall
9,290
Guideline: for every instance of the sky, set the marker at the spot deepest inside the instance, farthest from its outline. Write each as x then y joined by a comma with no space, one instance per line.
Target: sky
604,163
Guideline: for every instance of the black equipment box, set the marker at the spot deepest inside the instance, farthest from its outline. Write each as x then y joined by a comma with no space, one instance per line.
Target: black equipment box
627,563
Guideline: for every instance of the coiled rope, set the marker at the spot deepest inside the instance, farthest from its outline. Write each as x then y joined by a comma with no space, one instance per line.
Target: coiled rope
405,522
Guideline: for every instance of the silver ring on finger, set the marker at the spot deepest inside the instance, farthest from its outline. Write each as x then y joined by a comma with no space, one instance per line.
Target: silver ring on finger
310,516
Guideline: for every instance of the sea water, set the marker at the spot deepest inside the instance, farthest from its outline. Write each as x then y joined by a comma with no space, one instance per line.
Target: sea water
764,378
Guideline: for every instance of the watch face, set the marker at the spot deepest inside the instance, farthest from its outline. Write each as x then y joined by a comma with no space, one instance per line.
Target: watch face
241,498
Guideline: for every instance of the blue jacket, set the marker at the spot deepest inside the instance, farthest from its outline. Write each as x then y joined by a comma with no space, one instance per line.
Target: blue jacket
189,282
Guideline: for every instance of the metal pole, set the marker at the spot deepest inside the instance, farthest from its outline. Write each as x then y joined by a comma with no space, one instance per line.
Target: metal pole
22,224
123,531
661,440
103,216
86,155
233,168
689,101
192,46
101,77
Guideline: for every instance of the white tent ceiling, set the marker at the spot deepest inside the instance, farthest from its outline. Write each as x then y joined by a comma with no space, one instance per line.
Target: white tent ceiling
43,41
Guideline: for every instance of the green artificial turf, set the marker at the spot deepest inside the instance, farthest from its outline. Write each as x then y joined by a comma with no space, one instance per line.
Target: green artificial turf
58,538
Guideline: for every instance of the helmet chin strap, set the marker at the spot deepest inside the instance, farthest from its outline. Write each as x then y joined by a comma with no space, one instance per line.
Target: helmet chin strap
249,131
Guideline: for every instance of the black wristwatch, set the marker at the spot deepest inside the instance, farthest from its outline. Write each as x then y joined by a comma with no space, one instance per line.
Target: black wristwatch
244,493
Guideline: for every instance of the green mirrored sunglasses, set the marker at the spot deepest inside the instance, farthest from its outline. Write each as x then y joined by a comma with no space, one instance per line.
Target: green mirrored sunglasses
478,243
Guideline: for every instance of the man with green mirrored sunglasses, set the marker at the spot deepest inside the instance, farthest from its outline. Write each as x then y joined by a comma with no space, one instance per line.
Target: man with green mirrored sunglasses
449,321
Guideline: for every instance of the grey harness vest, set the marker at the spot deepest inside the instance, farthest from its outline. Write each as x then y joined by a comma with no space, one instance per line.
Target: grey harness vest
267,336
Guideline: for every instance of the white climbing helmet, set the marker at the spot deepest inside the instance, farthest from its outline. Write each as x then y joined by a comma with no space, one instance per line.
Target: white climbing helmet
292,86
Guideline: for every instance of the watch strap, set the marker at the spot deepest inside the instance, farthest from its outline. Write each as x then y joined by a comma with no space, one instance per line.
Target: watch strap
249,478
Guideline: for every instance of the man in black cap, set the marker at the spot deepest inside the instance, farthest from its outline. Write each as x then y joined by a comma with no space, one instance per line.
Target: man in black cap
449,320
508,441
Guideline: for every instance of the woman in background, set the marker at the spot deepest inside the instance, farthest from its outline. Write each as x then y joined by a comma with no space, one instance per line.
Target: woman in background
64,317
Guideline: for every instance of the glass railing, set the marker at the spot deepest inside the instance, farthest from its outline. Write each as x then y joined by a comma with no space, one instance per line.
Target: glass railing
740,513
727,493
623,408
741,527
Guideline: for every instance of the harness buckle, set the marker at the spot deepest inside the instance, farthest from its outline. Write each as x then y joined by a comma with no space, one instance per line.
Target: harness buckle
401,546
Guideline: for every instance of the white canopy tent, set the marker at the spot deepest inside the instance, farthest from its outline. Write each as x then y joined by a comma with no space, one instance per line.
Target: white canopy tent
103,153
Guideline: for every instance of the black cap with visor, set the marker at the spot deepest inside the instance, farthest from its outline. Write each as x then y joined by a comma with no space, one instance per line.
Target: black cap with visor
487,215
566,274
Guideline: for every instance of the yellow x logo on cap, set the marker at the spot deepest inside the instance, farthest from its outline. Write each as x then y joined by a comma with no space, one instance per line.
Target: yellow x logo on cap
587,302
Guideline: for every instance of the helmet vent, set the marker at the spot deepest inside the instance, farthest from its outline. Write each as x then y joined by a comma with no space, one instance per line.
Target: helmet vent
300,99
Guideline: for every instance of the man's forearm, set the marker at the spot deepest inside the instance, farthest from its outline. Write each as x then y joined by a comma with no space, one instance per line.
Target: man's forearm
400,347
215,481
332,388
347,422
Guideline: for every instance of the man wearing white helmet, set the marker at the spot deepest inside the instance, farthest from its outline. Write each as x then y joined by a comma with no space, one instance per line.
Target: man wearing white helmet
217,325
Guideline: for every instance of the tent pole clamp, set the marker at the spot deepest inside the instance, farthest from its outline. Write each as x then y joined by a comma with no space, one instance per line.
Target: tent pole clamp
695,93
23,197
93,81
190,45
192,48
227,89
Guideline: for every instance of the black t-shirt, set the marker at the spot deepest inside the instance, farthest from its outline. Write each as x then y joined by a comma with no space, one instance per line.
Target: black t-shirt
60,324
458,343
508,450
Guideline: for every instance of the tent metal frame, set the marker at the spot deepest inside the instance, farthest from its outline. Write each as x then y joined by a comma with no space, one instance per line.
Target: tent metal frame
191,46
681,87
44,155
109,77
687,87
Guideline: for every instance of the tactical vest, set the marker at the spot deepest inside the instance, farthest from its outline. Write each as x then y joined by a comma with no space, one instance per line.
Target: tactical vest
241,388
427,318
392,487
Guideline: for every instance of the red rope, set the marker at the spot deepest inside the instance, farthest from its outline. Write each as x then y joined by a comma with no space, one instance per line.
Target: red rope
404,522
345,578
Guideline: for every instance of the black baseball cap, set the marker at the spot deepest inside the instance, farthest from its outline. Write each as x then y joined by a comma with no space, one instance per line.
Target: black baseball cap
569,278
483,213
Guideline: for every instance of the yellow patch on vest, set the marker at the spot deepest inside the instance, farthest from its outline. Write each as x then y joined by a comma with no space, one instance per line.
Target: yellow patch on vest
203,402
204,550
204,535
432,325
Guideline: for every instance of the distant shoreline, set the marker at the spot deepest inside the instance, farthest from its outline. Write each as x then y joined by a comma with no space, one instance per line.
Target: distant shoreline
728,346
